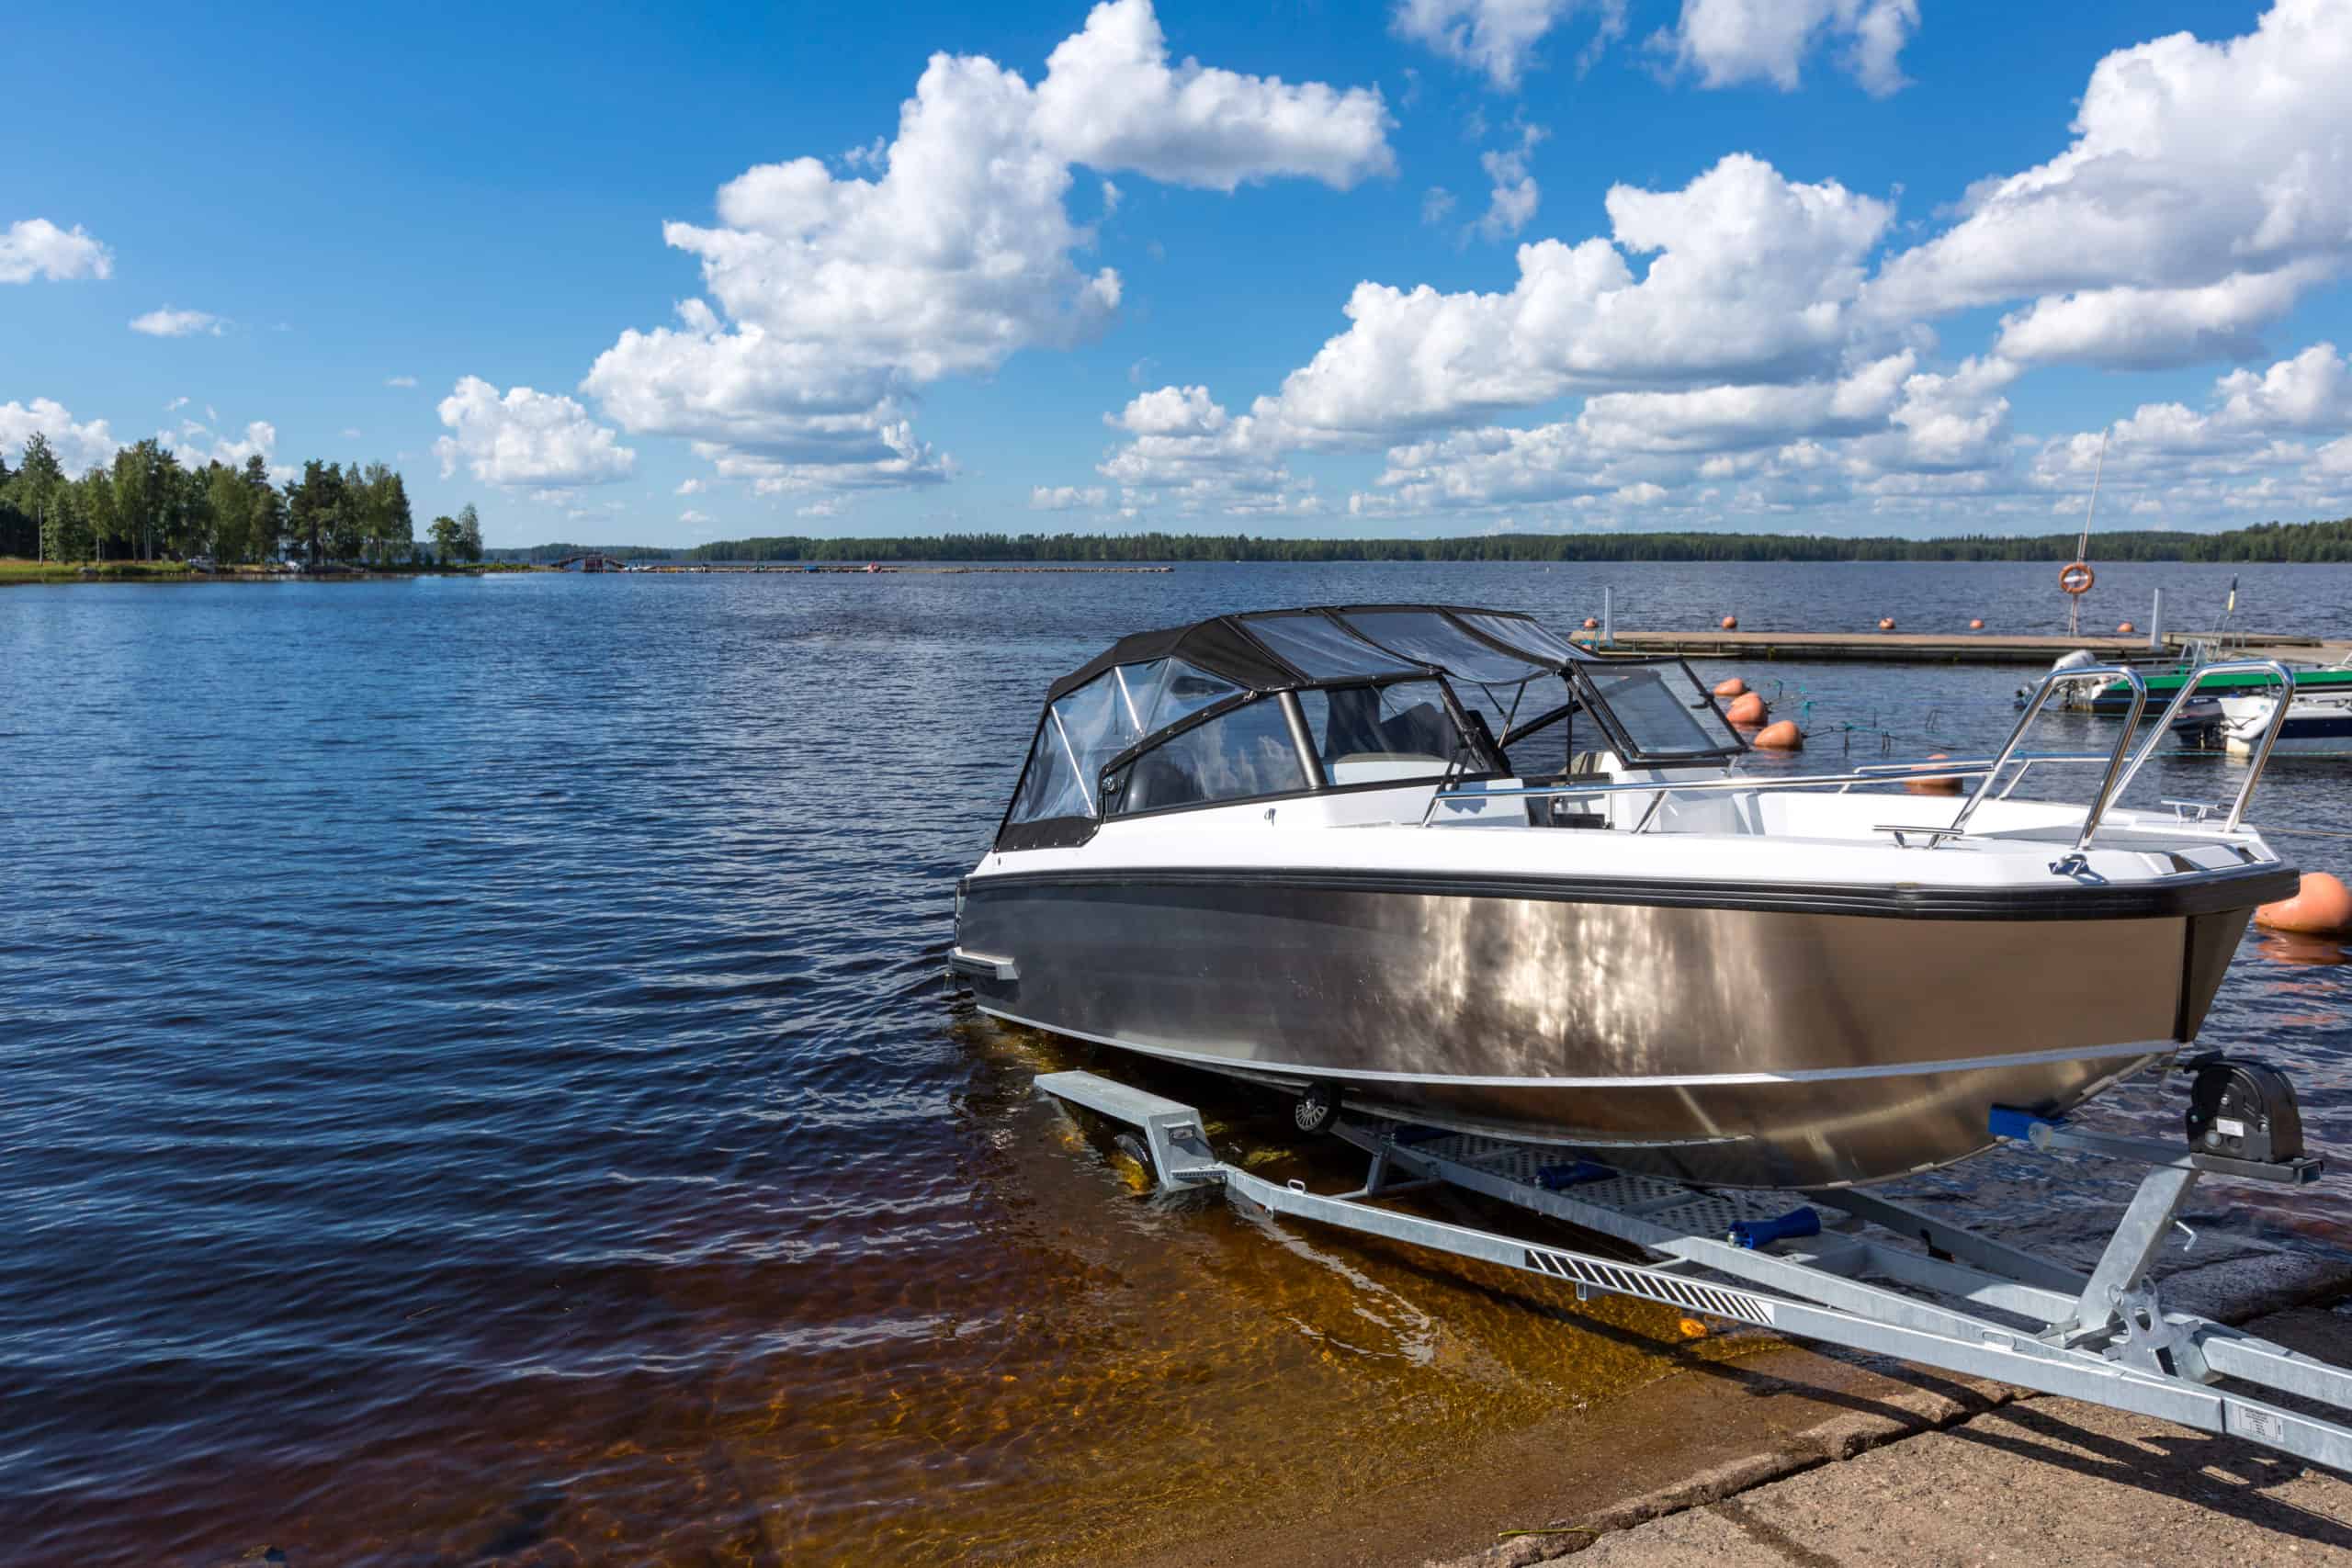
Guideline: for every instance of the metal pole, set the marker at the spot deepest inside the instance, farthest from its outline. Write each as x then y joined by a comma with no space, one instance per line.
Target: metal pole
1608,620
2156,623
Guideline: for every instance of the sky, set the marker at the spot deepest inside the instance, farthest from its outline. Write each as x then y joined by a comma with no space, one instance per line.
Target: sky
1424,267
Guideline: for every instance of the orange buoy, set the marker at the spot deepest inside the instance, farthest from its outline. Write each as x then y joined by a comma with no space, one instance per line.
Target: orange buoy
1747,710
1733,687
1933,786
1781,736
2322,907
1976,625
1731,622
2123,630
1886,623
1590,624
2078,577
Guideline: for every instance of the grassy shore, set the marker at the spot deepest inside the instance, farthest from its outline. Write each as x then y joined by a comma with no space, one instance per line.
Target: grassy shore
16,569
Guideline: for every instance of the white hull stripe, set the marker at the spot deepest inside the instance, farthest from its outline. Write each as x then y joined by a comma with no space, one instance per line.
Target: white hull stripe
1618,1080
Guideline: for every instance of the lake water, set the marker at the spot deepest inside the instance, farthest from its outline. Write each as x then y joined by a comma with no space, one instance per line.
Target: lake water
476,1083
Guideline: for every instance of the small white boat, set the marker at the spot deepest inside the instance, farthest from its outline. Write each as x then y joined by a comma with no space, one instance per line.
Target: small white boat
2318,724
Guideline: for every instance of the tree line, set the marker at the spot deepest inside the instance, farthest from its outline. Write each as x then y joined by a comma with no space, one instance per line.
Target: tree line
148,505
2272,542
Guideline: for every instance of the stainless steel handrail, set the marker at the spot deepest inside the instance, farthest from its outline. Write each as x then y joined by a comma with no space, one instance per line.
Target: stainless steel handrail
2271,667
2050,683
1875,773
1744,781
2115,764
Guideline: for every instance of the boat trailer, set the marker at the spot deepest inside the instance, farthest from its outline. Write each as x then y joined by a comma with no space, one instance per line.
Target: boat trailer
1846,1267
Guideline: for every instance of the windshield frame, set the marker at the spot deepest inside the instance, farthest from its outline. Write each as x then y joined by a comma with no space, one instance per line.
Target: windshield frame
1622,742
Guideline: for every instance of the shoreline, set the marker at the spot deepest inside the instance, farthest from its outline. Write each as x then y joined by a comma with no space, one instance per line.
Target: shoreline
1803,1453
16,572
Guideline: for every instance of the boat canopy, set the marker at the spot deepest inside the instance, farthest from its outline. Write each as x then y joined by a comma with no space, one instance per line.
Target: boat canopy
1281,650
1278,703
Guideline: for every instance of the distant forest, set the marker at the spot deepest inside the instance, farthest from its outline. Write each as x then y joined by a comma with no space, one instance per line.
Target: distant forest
2282,542
147,505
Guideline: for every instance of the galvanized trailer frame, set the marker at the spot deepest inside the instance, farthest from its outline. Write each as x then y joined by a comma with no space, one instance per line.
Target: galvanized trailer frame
1966,1303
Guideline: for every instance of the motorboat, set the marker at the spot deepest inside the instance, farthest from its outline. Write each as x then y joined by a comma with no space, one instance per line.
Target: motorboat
2112,698
2316,724
1439,864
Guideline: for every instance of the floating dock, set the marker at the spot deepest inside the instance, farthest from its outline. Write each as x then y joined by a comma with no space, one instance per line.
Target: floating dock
1939,647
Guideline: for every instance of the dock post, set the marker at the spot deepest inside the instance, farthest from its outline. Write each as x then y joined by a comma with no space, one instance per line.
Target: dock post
2156,623
1607,621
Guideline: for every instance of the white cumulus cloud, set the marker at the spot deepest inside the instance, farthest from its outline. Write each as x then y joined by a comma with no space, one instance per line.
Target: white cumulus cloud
1169,410
1730,42
2209,187
1112,100
2267,442
526,437
1066,498
168,322
77,445
198,445
832,299
1512,205
34,247
1499,36
1753,277
2131,328
1188,452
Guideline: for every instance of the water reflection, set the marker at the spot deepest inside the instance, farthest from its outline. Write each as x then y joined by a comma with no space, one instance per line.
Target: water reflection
2287,947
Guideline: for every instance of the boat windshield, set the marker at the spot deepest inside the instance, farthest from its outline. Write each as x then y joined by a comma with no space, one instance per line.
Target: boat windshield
1085,729
1657,712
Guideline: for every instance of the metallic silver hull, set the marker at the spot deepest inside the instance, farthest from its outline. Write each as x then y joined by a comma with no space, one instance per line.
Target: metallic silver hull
1729,1047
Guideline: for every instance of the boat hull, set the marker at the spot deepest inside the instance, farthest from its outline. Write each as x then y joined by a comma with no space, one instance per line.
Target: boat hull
2321,727
1762,1045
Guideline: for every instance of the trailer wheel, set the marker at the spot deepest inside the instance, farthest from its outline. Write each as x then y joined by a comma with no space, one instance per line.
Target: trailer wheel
1135,1149
1317,1108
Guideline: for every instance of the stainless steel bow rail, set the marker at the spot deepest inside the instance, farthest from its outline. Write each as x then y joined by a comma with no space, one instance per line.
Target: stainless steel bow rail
1846,1267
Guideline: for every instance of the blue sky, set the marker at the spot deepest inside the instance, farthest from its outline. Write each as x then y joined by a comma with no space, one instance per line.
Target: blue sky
1833,266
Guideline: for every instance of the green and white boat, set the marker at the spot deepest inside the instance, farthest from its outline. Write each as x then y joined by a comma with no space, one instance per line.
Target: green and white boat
2113,698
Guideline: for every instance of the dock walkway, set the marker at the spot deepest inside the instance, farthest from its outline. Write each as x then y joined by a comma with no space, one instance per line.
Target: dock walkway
1937,648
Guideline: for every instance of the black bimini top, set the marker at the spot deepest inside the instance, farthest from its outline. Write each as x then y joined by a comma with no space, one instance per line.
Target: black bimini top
1278,650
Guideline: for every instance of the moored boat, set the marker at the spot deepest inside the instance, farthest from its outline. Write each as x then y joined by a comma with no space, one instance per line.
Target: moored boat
2317,723
1438,863
2113,697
